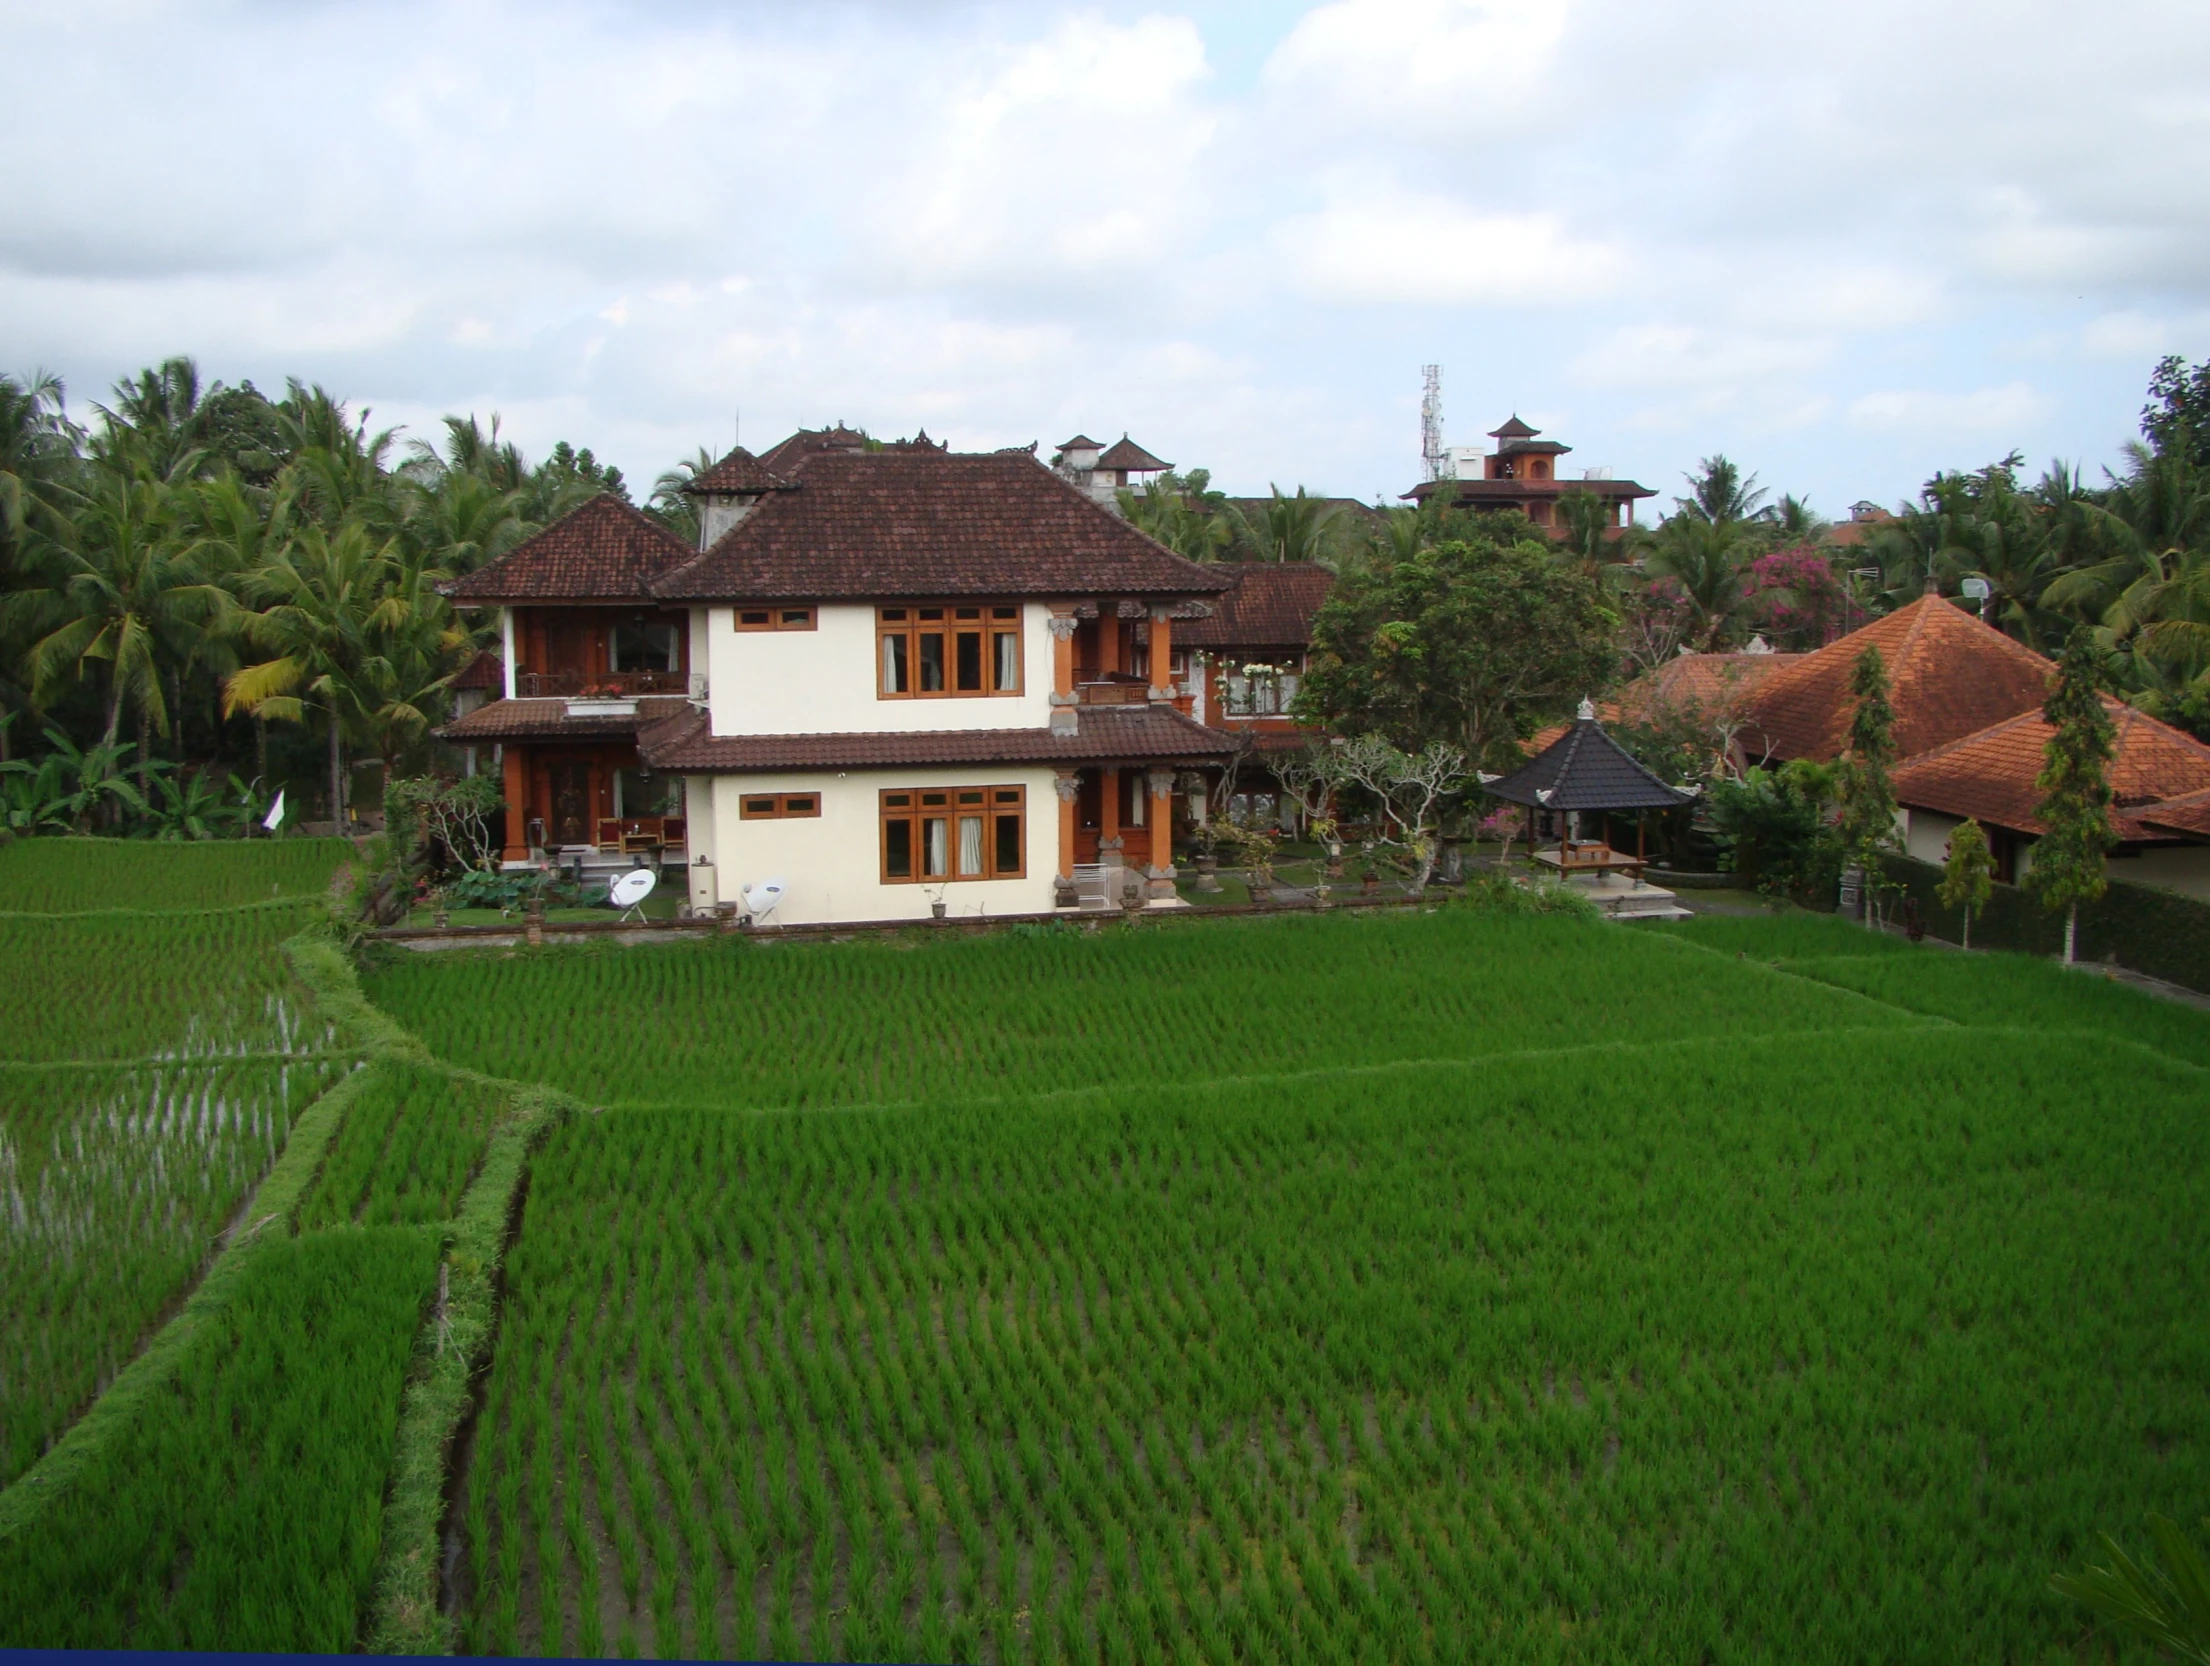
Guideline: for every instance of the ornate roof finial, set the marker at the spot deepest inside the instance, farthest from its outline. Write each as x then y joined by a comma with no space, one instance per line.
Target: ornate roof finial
1587,713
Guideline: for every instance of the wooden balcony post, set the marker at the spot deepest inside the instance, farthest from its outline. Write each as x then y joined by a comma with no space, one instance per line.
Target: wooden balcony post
517,807
1108,816
1162,652
1161,783
1069,784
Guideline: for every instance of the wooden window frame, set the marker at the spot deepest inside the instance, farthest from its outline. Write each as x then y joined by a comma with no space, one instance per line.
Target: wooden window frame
910,807
779,806
778,616
900,630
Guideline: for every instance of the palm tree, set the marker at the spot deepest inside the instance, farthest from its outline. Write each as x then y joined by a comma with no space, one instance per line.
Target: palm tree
1299,528
1183,513
1720,494
321,598
37,456
134,596
674,507
1707,560
156,423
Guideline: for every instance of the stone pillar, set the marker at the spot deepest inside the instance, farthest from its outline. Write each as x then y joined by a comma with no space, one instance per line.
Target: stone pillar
1069,785
517,808
1161,783
1162,653
1108,819
1063,697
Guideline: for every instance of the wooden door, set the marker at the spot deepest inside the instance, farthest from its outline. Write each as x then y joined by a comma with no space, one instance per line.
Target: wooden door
572,791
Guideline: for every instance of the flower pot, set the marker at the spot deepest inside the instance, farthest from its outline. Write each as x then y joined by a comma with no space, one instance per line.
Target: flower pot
936,911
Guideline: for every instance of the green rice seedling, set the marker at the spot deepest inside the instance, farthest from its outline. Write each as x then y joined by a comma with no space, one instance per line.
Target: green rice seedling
1785,934
240,1507
410,1143
1570,1351
116,1183
2021,992
723,1024
70,876
146,986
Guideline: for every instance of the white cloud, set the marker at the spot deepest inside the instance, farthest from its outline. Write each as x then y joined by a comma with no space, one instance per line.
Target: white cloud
1688,356
1429,68
2000,411
1377,242
2136,335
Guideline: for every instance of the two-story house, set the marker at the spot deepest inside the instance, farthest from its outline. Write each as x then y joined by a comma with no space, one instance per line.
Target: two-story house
889,677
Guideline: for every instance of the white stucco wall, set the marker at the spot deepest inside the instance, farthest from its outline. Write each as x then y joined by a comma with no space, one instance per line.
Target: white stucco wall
832,862
2181,868
822,681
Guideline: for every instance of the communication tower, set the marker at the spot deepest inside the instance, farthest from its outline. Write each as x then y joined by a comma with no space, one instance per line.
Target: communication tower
1431,421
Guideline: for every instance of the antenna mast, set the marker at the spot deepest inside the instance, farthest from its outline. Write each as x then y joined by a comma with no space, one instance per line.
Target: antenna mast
1431,420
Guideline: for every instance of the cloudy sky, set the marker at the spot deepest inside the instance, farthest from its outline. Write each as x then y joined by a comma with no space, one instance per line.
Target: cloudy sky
1845,244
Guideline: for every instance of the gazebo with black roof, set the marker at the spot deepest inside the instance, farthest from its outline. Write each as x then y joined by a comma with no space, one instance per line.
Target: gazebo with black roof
1584,769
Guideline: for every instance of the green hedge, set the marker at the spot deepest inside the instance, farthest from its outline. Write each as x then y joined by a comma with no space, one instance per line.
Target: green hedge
2143,929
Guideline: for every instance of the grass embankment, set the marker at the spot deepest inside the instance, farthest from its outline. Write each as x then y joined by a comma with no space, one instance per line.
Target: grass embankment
747,1022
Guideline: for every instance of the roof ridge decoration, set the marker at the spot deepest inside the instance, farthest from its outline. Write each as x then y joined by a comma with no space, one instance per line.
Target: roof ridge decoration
738,472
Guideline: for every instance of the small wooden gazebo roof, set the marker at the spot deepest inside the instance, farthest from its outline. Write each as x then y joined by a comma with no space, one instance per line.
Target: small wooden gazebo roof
1585,769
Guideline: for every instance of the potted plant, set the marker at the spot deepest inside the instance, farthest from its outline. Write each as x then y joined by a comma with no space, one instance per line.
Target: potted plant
937,908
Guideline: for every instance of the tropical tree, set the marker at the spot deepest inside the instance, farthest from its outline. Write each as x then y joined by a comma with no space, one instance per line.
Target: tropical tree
671,503
1184,513
2069,857
1968,873
1471,643
320,601
1863,793
130,586
1720,494
1706,563
1286,528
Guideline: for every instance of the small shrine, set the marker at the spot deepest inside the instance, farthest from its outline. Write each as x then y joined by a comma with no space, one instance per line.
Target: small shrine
1585,772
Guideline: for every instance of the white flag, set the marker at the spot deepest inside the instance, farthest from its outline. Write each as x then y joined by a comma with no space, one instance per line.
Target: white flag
276,812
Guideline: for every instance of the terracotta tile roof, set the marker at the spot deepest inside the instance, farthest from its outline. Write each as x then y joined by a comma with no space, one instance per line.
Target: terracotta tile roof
1080,442
549,720
924,522
1990,775
740,471
604,549
1271,606
1585,769
486,670
1710,682
1106,734
1124,453
1948,676
2188,813
787,455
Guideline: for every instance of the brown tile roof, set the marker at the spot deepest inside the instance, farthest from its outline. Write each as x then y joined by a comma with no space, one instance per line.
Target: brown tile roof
2188,813
1990,775
486,670
1709,682
1271,606
604,549
740,471
1948,676
549,720
924,522
786,455
1080,442
1105,734
1124,453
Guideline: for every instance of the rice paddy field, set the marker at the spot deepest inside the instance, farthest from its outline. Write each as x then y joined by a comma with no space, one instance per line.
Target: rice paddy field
1429,1286
66,876
1424,1287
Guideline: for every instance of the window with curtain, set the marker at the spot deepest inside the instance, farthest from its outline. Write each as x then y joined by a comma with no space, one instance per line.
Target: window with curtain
933,834
931,652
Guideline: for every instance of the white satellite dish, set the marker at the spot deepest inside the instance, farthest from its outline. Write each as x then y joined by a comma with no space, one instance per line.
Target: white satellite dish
760,899
629,891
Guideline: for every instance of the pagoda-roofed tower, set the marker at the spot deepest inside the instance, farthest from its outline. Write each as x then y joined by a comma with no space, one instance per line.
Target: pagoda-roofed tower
1523,473
1104,472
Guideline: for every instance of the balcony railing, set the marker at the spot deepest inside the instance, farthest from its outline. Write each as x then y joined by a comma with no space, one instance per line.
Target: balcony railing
1114,691
613,685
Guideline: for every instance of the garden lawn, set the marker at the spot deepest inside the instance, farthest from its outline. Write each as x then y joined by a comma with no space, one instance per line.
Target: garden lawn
1820,1348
